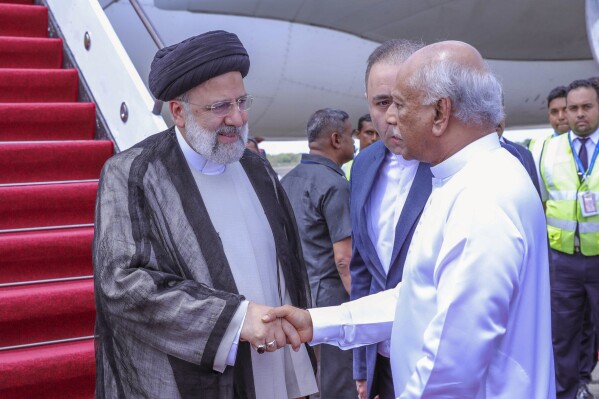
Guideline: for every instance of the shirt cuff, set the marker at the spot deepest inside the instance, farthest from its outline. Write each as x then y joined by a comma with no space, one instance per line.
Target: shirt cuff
226,354
365,321
327,324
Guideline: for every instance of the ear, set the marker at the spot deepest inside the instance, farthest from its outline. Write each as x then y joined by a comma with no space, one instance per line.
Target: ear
336,140
177,112
442,113
356,133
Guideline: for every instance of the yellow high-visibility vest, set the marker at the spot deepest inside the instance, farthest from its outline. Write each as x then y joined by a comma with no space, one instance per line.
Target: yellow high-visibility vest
535,146
560,176
347,168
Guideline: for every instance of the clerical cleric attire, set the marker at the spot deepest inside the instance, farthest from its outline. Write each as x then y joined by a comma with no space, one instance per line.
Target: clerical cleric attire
471,318
168,281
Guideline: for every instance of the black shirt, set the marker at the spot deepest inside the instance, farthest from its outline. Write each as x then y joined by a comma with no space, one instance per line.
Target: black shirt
319,194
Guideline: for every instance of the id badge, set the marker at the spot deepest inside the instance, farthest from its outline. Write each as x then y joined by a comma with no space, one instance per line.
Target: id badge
588,204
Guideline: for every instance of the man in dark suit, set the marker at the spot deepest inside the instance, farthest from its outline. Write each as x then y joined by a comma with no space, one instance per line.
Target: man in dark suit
387,196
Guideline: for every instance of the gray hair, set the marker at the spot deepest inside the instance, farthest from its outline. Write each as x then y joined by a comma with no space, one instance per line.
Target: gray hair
394,51
183,97
325,121
476,95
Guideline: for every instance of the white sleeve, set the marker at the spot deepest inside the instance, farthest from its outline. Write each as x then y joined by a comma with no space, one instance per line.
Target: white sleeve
226,354
365,321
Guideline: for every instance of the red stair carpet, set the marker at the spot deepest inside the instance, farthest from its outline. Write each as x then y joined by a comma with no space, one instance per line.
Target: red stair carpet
49,169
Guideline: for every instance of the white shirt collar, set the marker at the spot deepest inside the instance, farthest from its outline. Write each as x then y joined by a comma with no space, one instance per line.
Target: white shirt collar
454,163
395,159
198,161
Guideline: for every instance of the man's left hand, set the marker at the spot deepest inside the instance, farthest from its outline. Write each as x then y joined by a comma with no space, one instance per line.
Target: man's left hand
264,337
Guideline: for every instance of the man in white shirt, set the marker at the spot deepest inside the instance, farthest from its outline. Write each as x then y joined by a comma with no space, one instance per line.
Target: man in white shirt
388,194
471,318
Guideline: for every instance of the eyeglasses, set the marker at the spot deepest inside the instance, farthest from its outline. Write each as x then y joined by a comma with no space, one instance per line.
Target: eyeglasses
223,108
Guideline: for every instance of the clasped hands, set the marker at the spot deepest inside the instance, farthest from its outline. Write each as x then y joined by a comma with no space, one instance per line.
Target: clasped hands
268,329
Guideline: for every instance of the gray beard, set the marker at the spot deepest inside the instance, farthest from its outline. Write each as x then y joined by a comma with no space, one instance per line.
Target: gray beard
205,142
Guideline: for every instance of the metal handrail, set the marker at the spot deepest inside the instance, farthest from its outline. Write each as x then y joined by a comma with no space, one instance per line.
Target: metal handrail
56,341
50,280
154,35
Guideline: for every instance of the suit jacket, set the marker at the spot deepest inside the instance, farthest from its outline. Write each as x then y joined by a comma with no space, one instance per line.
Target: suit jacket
367,273
165,293
526,158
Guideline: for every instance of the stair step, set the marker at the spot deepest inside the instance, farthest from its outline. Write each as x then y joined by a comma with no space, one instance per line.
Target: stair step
43,255
46,312
23,20
64,370
17,1
47,121
38,85
39,237
53,161
29,52
43,205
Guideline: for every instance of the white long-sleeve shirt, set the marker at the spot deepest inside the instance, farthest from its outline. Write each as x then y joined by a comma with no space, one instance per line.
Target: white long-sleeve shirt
471,318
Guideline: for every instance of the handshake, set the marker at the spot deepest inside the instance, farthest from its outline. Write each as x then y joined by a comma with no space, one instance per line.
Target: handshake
268,329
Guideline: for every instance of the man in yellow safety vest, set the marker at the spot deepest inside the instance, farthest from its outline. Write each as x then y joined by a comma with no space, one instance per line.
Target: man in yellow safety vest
571,191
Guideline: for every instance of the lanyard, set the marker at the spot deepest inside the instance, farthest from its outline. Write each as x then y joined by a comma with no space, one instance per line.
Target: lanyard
581,172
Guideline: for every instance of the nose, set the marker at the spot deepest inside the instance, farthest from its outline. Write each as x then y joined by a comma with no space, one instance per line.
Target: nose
390,117
236,117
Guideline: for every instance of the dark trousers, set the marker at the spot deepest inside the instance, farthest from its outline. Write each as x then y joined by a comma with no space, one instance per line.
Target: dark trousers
336,368
588,354
382,384
574,283
336,365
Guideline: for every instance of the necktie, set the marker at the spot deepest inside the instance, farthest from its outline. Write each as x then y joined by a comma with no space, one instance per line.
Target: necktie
582,153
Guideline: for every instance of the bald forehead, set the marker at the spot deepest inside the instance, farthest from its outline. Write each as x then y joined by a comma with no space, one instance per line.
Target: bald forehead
459,52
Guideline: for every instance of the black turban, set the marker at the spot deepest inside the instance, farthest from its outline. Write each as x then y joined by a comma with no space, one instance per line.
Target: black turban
181,67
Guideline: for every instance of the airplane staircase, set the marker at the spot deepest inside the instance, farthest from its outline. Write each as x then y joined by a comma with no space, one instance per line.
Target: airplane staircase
49,170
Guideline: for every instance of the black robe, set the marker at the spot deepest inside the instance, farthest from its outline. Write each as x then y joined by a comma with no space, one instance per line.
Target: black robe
164,291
